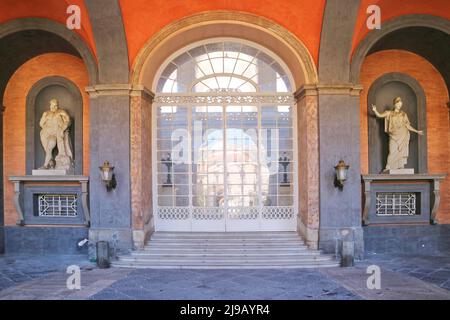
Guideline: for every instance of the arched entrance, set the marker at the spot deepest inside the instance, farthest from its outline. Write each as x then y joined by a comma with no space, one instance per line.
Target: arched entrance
262,34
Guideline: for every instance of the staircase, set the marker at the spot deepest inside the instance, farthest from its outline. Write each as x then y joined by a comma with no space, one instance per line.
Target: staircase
250,250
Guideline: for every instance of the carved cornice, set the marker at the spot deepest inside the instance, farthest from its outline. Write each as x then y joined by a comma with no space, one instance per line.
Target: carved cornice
109,90
119,90
347,89
306,90
143,92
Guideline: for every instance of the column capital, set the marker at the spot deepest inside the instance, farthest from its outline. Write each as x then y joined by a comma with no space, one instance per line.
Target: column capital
347,89
119,89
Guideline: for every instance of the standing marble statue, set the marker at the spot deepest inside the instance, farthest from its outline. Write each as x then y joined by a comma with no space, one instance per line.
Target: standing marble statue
397,125
55,133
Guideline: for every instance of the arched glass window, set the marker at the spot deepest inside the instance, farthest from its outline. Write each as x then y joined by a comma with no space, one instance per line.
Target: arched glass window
224,140
223,67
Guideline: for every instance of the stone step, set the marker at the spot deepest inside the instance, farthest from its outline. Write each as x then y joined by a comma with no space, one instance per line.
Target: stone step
194,243
264,254
225,235
226,242
226,250
239,262
210,265
227,259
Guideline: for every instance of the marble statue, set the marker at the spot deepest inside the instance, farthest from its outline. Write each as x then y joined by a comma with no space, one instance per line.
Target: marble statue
397,125
55,133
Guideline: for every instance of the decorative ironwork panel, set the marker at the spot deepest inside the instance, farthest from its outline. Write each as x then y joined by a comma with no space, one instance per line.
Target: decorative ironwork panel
242,213
278,213
224,99
57,205
173,213
207,213
396,204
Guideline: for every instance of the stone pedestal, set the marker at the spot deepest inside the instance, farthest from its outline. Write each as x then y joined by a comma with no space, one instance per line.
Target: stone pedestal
28,188
400,171
50,172
424,188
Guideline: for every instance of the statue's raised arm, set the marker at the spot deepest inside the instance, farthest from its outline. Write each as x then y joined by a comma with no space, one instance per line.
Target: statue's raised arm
379,115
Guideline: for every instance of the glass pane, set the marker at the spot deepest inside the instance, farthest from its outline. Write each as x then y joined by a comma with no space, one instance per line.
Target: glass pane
269,200
181,201
165,201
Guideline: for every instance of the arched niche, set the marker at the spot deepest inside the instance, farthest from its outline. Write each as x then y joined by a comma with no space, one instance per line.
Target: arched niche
382,93
38,101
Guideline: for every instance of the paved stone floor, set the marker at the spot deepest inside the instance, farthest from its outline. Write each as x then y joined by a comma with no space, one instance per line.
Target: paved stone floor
15,269
435,270
403,277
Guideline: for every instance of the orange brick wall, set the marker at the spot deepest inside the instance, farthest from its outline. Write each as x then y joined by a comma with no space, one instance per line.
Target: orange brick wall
438,131
52,64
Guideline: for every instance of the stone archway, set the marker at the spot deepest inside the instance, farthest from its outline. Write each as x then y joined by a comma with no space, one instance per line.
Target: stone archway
59,30
413,20
225,23
214,25
24,38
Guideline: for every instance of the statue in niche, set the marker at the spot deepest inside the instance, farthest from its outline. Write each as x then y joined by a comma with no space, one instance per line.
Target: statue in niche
397,125
55,133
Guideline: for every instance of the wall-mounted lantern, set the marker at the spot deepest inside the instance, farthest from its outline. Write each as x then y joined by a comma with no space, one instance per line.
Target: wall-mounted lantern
108,176
341,174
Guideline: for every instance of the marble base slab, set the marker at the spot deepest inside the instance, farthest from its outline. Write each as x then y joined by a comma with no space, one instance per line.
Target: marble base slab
49,172
400,171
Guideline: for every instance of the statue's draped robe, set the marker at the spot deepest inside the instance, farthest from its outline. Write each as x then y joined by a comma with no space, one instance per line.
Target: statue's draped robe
396,125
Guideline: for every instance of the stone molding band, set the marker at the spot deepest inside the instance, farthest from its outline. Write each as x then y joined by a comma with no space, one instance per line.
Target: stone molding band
119,90
347,89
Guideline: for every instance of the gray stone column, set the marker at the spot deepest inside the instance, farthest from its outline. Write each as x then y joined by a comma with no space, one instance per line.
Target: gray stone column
339,138
109,132
110,140
339,133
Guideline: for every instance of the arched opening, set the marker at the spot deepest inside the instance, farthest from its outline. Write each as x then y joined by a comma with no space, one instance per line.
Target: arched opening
427,36
406,58
159,51
22,41
215,24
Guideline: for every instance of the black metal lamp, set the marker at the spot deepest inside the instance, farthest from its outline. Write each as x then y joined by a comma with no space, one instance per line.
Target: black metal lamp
108,177
341,174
